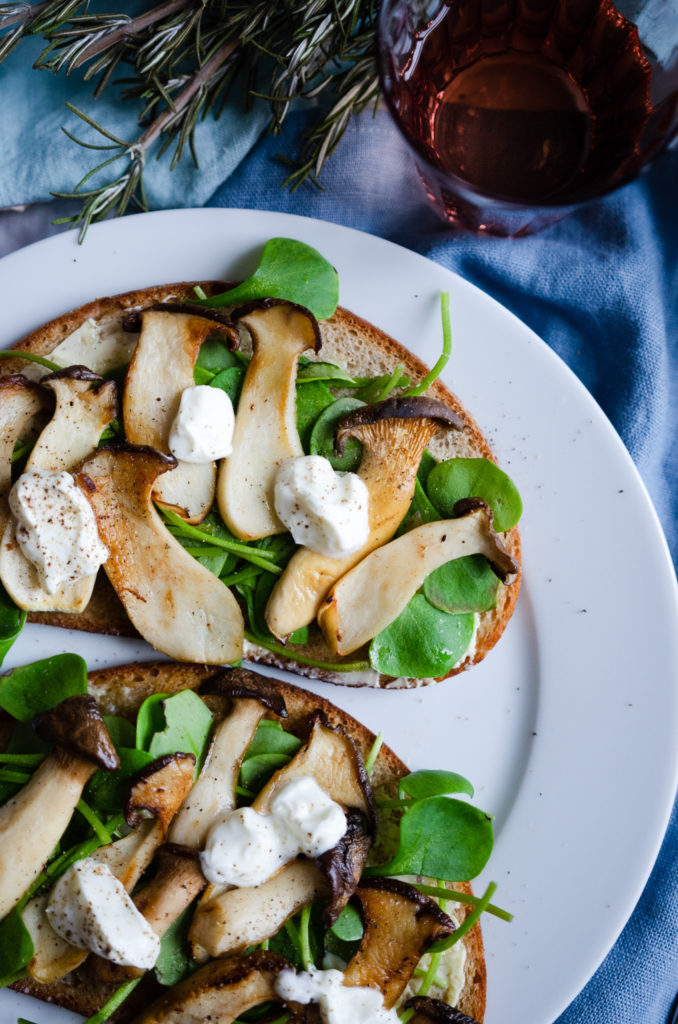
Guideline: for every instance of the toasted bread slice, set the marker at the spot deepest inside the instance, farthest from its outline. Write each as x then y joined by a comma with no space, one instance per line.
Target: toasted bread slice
121,691
361,349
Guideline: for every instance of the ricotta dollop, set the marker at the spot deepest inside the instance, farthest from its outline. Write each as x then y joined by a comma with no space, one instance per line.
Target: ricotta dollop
325,511
55,527
338,1003
245,848
203,427
90,908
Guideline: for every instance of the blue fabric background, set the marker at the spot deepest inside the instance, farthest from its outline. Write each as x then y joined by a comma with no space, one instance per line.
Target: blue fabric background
601,288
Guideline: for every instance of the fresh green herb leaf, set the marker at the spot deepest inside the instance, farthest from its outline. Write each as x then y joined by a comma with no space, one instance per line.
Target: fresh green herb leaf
421,784
256,771
309,371
271,738
475,478
94,822
215,356
174,962
288,269
440,365
299,636
150,719
116,1000
230,381
187,729
16,945
322,435
41,685
202,376
441,837
349,925
121,731
463,585
12,621
215,533
312,399
421,642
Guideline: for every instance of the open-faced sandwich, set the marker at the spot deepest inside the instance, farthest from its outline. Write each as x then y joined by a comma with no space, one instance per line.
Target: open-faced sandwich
182,844
261,474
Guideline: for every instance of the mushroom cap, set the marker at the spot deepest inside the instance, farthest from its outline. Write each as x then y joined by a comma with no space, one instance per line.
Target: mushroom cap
426,1009
248,686
160,788
402,408
77,726
251,307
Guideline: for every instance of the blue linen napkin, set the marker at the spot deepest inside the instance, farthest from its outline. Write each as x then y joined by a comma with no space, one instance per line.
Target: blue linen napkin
601,287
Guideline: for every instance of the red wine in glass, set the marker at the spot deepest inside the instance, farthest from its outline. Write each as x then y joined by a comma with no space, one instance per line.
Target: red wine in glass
519,109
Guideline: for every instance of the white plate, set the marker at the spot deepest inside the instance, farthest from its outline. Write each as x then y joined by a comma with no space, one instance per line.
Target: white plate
568,728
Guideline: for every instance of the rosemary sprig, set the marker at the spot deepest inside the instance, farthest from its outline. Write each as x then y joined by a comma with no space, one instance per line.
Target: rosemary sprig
182,59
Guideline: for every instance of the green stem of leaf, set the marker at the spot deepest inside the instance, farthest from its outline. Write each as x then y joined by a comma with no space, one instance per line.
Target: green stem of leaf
30,760
94,822
440,365
329,666
116,1000
12,354
11,978
6,775
467,923
374,754
304,939
242,550
441,893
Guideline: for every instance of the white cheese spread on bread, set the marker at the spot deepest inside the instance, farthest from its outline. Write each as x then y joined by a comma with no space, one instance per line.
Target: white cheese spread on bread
338,1003
203,427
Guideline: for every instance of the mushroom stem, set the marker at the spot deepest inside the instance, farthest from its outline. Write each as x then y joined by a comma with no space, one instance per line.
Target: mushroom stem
372,595
394,439
266,423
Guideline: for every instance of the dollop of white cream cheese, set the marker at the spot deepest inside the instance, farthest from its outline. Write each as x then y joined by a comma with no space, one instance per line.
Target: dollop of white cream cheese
55,527
324,510
245,848
91,909
203,427
338,1003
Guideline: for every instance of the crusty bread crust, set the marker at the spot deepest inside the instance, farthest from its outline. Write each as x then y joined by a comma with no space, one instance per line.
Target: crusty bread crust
122,690
361,349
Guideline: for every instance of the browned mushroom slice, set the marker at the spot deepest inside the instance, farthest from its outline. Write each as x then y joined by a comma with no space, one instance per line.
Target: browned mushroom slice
399,926
21,401
178,881
220,992
427,1010
332,760
177,605
85,405
394,434
159,372
372,594
34,820
160,789
265,424
229,922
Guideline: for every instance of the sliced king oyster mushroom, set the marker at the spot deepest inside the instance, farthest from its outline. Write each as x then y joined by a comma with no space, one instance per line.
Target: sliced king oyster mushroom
159,372
434,1011
266,422
21,403
34,820
158,789
84,406
177,605
372,594
394,434
220,992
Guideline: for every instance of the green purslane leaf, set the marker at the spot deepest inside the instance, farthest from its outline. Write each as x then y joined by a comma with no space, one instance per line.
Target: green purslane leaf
173,961
464,585
230,380
187,727
106,791
214,356
271,738
12,621
441,837
454,479
41,685
16,946
288,269
121,731
312,399
310,371
427,782
421,642
322,435
349,925
256,771
150,719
